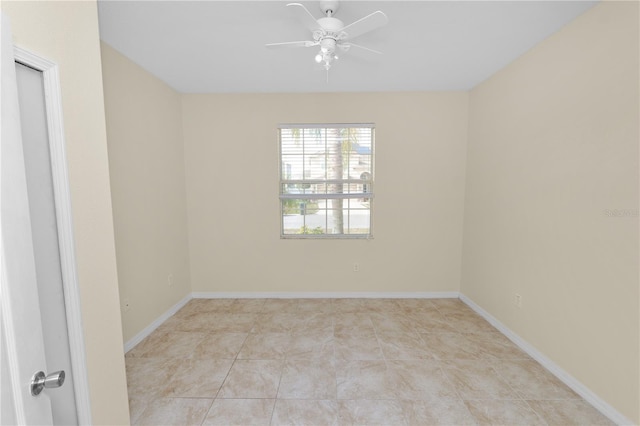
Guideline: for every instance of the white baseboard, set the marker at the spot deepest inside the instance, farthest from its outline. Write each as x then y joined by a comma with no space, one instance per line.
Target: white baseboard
327,295
155,324
561,374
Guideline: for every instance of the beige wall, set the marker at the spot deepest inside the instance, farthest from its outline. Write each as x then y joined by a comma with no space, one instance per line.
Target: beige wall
146,159
553,146
232,189
67,33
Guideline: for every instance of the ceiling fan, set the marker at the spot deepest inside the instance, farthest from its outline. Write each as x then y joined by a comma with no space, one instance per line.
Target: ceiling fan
330,33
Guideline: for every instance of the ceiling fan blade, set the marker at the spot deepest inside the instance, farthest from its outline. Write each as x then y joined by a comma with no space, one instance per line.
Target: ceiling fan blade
368,23
346,46
292,44
304,16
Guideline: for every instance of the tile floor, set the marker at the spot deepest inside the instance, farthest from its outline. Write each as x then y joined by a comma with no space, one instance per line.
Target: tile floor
341,362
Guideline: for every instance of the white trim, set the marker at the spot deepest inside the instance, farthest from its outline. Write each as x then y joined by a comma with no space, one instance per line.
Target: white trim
326,295
62,197
131,343
586,393
325,125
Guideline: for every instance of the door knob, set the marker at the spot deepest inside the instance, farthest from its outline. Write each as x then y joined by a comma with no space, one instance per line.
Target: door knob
40,381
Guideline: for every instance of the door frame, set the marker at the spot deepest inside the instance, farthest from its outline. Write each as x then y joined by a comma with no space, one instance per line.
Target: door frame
64,219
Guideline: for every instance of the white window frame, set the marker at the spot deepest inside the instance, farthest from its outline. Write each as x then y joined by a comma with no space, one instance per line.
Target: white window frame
365,183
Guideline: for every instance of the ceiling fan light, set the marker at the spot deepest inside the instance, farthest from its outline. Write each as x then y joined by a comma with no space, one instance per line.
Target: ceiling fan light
318,58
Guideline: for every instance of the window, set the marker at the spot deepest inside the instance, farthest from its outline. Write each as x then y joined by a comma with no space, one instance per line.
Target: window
326,180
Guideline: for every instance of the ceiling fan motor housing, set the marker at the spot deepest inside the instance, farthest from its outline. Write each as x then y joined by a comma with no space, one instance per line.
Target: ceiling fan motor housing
331,25
329,34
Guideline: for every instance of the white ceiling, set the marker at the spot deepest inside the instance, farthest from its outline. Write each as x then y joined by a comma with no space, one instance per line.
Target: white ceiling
218,46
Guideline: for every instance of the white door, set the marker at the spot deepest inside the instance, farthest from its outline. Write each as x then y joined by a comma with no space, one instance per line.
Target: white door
36,295
22,325
44,231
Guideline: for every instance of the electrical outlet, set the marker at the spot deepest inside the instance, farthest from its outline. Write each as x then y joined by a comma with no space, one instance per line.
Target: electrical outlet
356,267
170,280
126,305
517,300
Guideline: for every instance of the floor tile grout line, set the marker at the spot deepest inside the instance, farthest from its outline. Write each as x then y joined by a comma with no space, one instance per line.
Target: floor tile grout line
334,360
497,372
208,410
275,399
455,388
231,367
536,412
